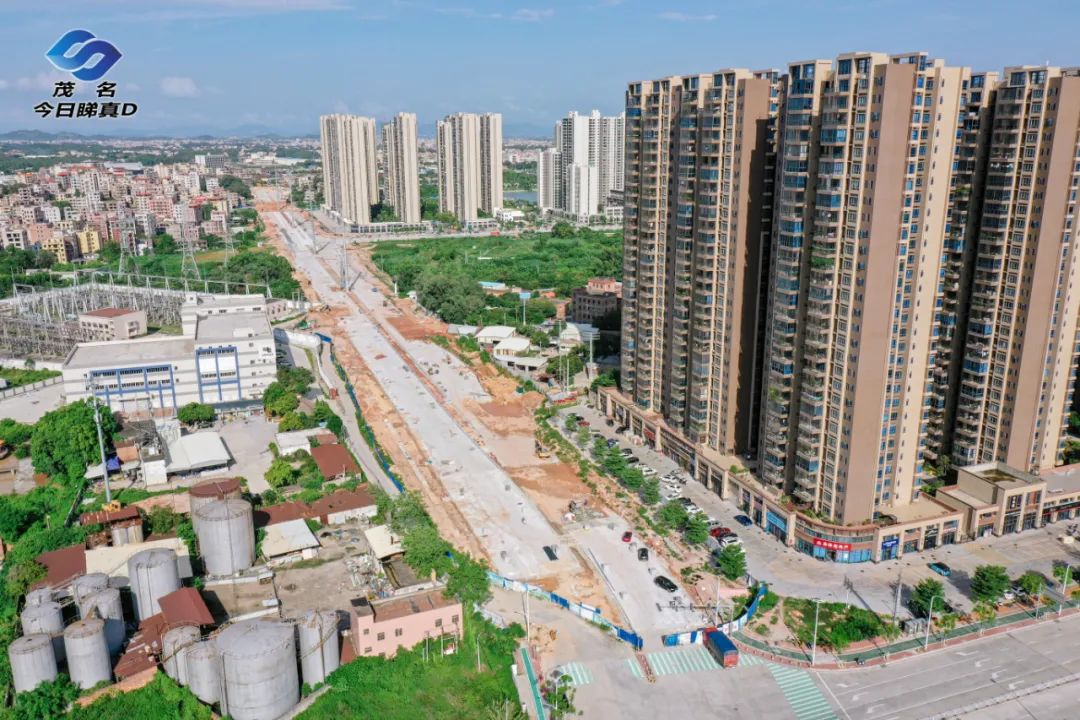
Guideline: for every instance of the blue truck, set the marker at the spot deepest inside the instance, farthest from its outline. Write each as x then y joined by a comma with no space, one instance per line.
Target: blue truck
722,648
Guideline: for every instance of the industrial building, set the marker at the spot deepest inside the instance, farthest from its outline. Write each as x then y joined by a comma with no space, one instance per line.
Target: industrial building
225,358
383,627
113,324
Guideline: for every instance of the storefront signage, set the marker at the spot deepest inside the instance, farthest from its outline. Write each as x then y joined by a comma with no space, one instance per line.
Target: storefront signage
830,545
885,545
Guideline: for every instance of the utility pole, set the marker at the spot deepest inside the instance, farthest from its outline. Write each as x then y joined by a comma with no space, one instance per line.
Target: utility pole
1064,589
929,621
100,437
813,648
899,587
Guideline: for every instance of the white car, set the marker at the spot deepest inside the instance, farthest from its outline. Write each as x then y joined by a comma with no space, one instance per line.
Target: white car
730,540
648,472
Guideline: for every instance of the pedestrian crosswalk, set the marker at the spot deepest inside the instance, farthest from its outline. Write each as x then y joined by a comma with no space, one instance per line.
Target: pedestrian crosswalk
799,688
578,673
692,658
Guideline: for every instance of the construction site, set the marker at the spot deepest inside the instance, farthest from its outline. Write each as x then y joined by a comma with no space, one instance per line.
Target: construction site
43,324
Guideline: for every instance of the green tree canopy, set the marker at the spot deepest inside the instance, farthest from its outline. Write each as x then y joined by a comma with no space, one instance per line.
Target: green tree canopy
65,442
732,562
697,529
989,583
195,413
673,515
1032,583
280,473
48,700
425,551
922,594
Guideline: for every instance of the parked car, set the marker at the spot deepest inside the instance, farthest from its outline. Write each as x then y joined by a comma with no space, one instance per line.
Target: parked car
610,422
550,552
612,443
731,539
620,430
648,472
626,452
743,520
643,554
719,532
665,583
941,569
627,536
686,501
584,423
633,460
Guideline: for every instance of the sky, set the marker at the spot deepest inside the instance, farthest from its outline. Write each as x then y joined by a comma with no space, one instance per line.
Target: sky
218,66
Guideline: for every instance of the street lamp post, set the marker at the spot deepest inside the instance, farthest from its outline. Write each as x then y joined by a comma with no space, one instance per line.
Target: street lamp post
929,621
813,647
1064,589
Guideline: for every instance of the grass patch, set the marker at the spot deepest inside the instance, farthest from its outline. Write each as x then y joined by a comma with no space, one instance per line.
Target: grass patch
839,625
16,377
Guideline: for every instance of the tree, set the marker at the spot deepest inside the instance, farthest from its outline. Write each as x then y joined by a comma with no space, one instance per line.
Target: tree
1033,584
407,512
732,562
1064,572
468,581
280,473
279,399
21,575
650,491
563,230
697,529
195,413
162,520
985,613
48,700
425,551
236,185
293,420
65,441
947,622
296,379
989,583
673,515
921,596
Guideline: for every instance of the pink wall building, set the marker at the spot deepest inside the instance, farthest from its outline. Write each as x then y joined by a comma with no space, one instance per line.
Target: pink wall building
380,628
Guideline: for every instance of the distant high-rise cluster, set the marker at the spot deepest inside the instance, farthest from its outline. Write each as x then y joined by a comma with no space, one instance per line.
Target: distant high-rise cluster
350,170
578,176
469,151
402,168
859,270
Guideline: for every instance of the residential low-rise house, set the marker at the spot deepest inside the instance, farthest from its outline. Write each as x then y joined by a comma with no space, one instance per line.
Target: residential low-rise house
492,335
383,627
334,461
599,297
510,347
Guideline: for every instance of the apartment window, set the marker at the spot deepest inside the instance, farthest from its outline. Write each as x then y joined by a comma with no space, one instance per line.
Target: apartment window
367,631
397,632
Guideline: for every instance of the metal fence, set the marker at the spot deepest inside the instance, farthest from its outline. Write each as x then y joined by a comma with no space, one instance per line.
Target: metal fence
586,612
697,637
29,387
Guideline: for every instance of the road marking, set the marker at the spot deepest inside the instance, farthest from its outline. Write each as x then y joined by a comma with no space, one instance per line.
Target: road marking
635,668
578,673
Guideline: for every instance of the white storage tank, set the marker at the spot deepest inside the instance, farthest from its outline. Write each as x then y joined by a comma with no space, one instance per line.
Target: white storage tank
204,671
32,661
47,618
87,653
87,584
39,596
106,604
258,661
174,648
210,491
226,533
126,534
320,652
152,573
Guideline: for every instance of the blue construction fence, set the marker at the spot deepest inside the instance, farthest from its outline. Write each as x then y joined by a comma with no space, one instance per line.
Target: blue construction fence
697,637
365,429
586,612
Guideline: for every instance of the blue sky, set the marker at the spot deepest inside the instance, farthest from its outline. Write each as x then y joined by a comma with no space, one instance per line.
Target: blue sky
214,65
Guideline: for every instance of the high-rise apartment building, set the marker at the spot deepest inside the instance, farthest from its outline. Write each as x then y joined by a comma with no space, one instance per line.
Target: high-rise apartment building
350,170
402,180
867,187
700,153
469,152
582,141
1021,348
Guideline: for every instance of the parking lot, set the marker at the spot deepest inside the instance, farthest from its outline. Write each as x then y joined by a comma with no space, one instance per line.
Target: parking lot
871,585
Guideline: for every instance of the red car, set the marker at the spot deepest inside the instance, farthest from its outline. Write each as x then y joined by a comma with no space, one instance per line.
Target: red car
583,422
627,536
720,532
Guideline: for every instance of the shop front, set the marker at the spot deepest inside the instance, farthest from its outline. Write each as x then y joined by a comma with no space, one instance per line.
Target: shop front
776,526
890,545
831,547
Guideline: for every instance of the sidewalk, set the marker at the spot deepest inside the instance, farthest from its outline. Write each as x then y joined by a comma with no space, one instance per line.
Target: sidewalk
909,647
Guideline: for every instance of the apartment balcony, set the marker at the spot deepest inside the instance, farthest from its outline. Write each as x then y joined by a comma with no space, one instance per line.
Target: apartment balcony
806,496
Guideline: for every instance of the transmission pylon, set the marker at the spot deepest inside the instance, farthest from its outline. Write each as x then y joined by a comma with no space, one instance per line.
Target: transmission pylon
188,267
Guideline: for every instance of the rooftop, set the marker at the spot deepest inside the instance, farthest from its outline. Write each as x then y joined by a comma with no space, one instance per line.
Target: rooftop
185,607
288,537
1002,475
110,312
197,451
63,565
1062,480
215,488
383,542
105,517
124,353
394,608
230,326
925,508
334,460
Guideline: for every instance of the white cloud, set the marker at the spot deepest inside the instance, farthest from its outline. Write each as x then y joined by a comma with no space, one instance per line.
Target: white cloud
180,87
4,84
42,81
529,15
684,17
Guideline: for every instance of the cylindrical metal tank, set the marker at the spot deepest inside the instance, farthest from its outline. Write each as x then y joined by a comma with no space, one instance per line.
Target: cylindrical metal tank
210,491
174,648
126,534
41,595
32,661
204,671
152,574
47,618
86,584
87,653
258,661
106,605
226,536
320,653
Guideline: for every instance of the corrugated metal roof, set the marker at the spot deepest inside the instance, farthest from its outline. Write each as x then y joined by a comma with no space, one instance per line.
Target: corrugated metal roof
288,537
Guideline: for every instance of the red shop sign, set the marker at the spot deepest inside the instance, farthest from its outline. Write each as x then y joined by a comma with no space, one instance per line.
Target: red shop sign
830,545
